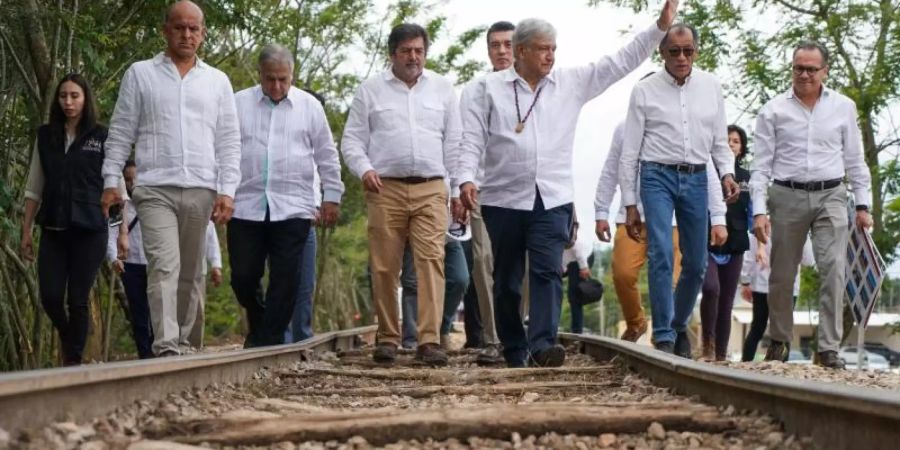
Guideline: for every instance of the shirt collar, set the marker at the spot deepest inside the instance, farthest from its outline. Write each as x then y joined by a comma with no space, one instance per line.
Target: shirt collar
826,92
162,58
510,75
671,79
290,98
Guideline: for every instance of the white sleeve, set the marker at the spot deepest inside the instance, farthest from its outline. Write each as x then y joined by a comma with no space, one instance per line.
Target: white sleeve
763,159
854,162
474,115
355,142
227,143
123,129
716,199
609,177
327,170
631,147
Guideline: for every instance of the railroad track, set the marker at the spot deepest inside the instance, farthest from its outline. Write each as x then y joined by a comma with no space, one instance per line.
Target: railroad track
327,392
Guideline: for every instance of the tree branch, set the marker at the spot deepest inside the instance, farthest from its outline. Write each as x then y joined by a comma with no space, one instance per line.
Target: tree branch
36,96
796,8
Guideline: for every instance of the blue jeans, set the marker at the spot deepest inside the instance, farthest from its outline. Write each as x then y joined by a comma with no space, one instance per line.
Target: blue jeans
300,327
456,274
543,233
663,190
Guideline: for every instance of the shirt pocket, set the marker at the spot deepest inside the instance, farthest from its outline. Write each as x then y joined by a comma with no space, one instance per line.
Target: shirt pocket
432,118
386,117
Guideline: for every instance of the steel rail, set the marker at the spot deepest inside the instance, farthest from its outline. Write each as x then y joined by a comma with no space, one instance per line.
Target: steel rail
835,416
39,397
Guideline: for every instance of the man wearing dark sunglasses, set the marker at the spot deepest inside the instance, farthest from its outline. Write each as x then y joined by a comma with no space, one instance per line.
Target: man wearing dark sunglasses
675,125
807,140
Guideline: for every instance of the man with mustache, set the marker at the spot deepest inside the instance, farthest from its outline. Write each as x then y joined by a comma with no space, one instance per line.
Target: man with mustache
401,139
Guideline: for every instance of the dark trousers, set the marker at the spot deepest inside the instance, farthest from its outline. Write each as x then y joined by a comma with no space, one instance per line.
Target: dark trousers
68,261
250,245
573,273
543,233
757,325
719,287
471,314
300,327
135,281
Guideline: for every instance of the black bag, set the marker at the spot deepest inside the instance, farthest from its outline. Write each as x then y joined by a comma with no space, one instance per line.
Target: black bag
589,291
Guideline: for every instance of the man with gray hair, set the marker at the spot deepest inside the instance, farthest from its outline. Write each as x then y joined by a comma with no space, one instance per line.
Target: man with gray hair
521,121
179,114
807,141
285,138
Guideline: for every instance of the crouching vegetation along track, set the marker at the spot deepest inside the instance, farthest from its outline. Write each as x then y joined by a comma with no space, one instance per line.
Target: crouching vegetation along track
331,395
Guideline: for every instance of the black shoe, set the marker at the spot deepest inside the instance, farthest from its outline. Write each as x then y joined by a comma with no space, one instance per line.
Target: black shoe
489,356
778,351
551,357
385,353
683,345
665,347
432,354
830,359
518,364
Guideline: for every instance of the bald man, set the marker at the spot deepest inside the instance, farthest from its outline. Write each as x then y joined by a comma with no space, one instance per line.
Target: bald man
180,115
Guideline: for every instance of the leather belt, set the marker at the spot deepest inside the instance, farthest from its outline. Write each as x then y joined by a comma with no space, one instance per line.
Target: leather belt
810,185
413,180
683,168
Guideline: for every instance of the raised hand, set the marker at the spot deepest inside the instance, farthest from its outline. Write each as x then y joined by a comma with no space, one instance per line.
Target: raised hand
667,15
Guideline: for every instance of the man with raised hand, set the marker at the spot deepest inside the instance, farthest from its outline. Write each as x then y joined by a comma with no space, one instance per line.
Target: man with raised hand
523,127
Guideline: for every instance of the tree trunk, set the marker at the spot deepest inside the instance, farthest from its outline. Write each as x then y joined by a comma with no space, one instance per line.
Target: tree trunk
33,31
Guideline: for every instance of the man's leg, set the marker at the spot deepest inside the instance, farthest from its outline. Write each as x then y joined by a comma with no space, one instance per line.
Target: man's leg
427,228
194,210
388,214
790,217
829,238
158,209
507,228
456,281
471,317
409,300
482,275
134,279
575,308
692,214
658,190
301,322
285,239
628,257
247,255
547,236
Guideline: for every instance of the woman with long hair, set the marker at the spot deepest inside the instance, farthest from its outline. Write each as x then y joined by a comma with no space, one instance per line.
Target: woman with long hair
724,268
63,194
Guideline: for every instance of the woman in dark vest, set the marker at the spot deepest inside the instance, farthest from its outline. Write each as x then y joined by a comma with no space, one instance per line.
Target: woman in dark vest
724,269
65,182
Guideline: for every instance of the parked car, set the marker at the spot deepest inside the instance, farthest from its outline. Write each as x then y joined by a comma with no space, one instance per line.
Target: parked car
875,361
892,356
797,357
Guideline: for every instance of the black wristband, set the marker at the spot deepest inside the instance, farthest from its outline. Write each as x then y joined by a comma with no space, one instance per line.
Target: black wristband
862,208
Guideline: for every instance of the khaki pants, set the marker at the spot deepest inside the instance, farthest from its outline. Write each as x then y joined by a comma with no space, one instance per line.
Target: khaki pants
173,223
794,214
417,212
627,259
192,325
482,268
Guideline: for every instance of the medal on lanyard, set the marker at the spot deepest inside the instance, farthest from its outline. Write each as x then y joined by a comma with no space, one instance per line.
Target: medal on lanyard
520,124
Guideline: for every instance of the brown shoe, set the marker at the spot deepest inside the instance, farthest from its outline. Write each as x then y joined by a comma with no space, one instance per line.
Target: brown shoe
385,353
829,359
709,349
633,334
778,351
432,355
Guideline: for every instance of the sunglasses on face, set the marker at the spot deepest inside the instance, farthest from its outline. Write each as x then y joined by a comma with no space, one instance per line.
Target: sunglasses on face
678,51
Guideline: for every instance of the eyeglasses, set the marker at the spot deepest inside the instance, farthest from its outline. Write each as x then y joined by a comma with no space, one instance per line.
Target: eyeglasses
678,51
809,70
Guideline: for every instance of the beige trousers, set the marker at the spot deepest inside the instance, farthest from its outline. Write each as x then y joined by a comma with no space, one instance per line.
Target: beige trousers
173,224
417,212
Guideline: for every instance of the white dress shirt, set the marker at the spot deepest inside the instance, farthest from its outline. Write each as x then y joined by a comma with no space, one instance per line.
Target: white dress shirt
793,143
467,97
579,252
757,276
672,124
184,130
282,147
400,131
135,239
541,155
609,182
